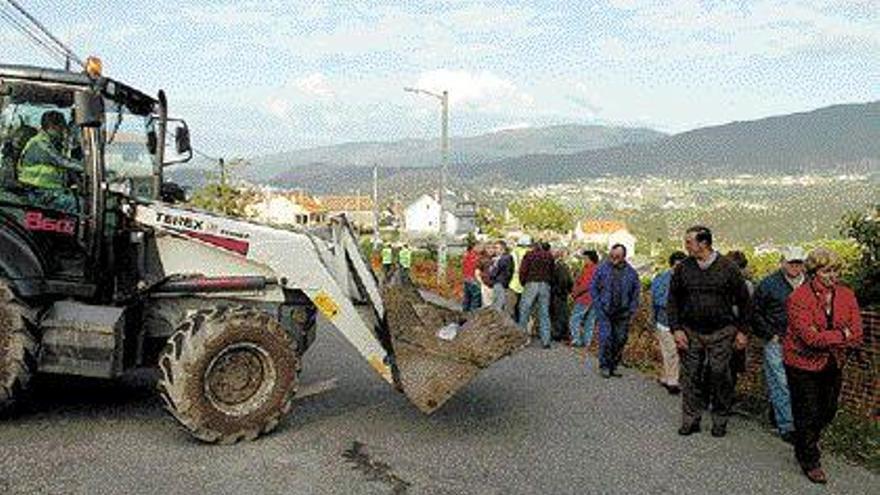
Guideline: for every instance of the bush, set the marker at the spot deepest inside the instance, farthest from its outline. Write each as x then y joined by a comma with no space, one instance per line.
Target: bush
855,438
865,277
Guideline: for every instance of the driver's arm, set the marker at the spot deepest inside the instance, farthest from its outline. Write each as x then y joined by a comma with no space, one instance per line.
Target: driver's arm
61,161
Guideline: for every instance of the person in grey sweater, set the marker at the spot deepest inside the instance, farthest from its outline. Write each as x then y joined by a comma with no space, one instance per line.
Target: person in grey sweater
704,290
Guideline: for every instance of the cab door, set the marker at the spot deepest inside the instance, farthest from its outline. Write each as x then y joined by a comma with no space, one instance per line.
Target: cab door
50,219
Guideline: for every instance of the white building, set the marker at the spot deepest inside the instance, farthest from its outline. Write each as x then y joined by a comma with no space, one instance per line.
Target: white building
603,234
423,216
286,208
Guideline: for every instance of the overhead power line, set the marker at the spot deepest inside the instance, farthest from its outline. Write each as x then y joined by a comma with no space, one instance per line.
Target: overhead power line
203,155
34,37
58,43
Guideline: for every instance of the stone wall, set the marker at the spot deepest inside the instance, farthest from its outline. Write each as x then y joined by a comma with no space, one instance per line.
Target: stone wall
861,379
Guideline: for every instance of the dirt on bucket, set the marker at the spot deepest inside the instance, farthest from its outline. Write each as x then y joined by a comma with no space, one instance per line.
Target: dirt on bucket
433,369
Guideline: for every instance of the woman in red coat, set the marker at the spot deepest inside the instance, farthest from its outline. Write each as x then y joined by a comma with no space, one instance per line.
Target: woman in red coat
823,321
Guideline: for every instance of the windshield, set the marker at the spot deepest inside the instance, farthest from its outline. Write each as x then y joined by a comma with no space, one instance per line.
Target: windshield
127,153
128,136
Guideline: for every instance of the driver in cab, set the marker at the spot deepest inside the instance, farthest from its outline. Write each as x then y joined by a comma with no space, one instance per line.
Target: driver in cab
44,168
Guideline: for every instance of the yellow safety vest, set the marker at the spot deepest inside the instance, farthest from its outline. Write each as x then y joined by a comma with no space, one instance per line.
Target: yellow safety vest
36,167
518,253
405,257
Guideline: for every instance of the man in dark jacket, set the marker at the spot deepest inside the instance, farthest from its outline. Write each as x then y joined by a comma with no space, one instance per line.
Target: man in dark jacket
703,292
535,273
560,287
615,291
770,323
500,274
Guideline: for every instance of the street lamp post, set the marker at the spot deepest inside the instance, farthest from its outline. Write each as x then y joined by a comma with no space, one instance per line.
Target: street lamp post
444,150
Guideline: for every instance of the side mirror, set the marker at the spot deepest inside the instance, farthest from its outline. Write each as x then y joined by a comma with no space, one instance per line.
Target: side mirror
89,108
181,151
152,142
181,139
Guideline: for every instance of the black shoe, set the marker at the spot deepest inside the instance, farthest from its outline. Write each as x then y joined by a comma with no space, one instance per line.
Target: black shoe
719,431
545,346
787,437
605,372
673,389
616,374
686,430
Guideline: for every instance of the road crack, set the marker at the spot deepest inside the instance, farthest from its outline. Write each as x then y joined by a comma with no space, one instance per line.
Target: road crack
374,470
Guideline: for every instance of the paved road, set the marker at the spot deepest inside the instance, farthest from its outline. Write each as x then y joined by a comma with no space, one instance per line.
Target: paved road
534,423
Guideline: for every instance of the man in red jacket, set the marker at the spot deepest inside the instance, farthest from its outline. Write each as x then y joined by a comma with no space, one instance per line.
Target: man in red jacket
472,297
583,316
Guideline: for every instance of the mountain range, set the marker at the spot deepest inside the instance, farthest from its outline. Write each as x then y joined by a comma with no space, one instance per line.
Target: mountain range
419,153
844,138
836,138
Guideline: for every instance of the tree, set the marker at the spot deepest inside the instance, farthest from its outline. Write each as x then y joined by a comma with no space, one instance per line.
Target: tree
865,229
542,214
220,195
489,223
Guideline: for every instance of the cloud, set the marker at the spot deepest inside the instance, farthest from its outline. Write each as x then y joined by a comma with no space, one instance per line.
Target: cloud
481,90
511,127
280,108
433,35
314,85
671,30
624,4
229,15
297,100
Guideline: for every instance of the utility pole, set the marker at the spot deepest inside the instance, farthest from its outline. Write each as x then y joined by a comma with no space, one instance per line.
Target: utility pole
444,150
224,191
222,164
375,206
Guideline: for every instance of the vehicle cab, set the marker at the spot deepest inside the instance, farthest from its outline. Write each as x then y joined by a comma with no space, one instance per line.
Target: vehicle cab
114,144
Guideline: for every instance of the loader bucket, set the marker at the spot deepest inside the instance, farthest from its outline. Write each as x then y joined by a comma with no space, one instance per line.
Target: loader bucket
432,369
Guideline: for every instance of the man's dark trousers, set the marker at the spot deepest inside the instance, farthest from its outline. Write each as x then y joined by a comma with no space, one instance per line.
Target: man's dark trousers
559,316
698,384
613,333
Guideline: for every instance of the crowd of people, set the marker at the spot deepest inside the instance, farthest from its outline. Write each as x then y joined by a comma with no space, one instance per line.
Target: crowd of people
704,310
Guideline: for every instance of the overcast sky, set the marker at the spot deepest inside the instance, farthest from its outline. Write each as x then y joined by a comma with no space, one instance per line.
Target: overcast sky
266,76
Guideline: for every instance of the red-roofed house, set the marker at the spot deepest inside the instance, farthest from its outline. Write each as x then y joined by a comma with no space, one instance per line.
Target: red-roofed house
603,234
358,209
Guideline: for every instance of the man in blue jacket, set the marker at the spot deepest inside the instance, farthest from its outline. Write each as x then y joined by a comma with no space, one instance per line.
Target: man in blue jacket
770,322
615,291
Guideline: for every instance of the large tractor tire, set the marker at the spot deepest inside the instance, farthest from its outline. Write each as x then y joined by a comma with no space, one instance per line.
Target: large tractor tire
18,349
229,374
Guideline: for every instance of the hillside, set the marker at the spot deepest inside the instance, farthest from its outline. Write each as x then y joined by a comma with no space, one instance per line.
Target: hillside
484,148
836,138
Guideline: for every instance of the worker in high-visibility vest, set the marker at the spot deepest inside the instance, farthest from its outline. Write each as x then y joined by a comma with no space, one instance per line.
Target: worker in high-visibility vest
44,168
404,259
522,247
387,262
